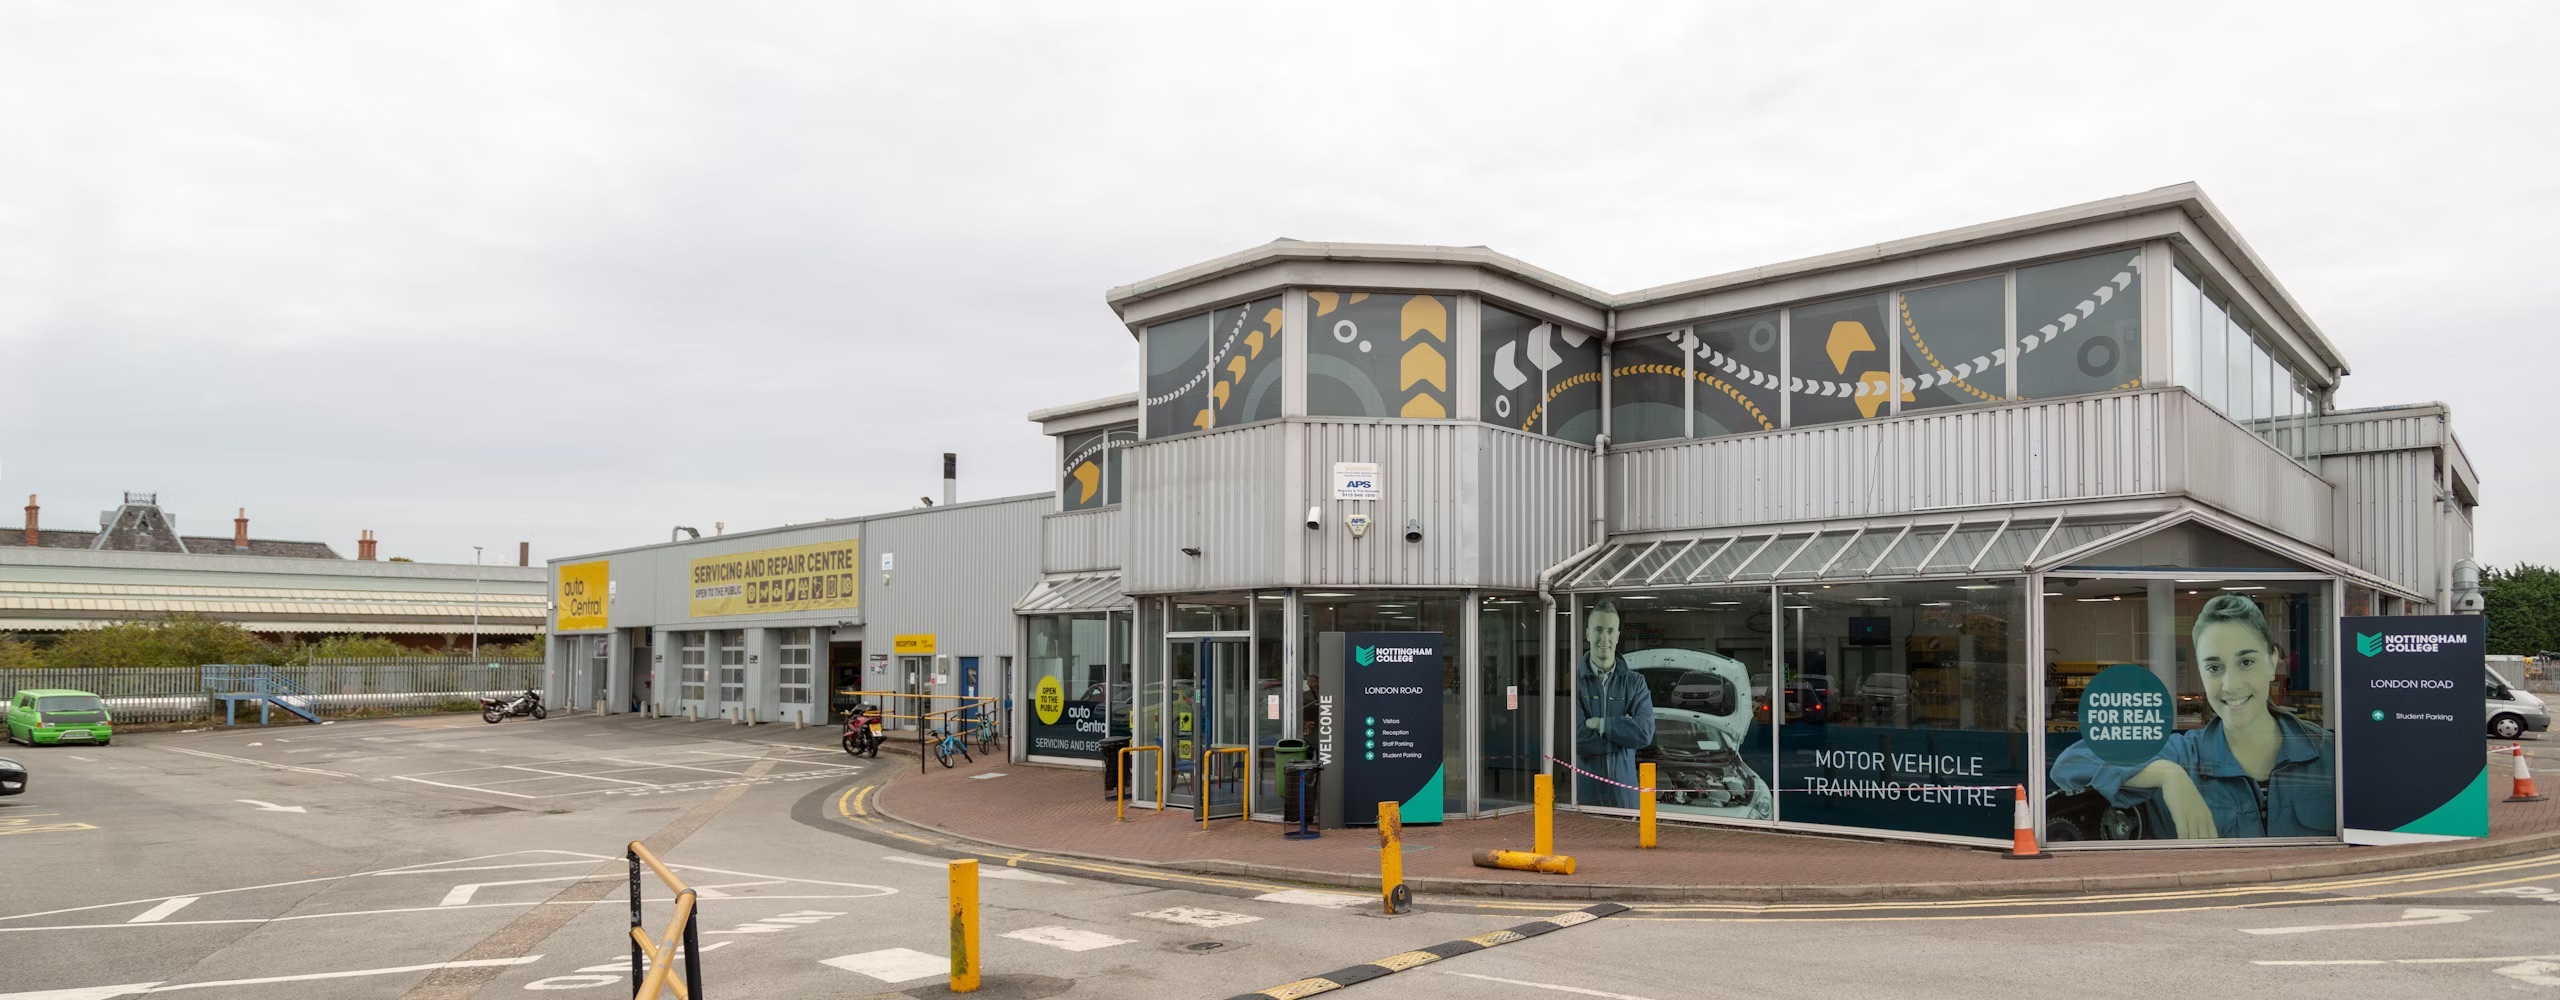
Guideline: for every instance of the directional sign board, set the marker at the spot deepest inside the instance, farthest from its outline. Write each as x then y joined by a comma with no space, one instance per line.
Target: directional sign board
1378,724
2410,766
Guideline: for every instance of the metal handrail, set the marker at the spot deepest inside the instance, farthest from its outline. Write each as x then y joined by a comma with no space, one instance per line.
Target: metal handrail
652,963
1121,794
1246,778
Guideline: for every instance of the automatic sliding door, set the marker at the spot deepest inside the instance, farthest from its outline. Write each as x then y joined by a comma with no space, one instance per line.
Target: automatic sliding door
1226,695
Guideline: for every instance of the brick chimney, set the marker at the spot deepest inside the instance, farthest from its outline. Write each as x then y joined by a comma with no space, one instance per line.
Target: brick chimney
240,531
33,539
524,553
364,546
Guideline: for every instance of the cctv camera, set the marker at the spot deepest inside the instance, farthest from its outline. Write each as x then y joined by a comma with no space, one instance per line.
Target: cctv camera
1412,530
1315,517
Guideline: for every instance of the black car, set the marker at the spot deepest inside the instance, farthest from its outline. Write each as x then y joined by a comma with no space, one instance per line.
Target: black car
13,777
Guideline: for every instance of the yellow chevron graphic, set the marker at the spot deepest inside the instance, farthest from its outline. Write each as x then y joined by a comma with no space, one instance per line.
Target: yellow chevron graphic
1877,385
1218,393
1424,363
1425,314
1235,367
1201,419
1847,337
1424,406
1326,302
1088,478
1357,298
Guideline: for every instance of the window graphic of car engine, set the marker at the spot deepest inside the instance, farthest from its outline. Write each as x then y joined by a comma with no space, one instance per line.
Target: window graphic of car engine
1701,712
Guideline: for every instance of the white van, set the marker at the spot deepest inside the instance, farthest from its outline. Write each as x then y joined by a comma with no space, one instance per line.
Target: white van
2514,711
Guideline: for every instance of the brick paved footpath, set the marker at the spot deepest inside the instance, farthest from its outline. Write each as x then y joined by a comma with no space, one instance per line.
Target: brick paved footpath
1062,810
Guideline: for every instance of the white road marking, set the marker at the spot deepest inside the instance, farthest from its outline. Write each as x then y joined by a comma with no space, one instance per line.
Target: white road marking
2417,916
376,913
161,912
271,807
2537,973
1065,938
130,989
1576,990
2407,961
983,777
75,756
460,895
565,774
257,763
984,871
890,965
1198,917
1310,897
464,788
419,868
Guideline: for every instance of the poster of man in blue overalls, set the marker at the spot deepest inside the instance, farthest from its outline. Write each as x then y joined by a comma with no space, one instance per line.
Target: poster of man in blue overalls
1616,714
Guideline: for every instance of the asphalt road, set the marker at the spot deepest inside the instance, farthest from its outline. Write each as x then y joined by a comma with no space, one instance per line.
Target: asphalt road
448,858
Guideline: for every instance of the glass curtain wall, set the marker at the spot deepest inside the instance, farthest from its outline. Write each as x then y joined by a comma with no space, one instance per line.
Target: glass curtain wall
1077,687
1396,611
1537,376
1508,700
1677,679
2227,360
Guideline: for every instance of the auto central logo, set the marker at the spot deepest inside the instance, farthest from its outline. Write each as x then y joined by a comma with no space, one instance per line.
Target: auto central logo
2378,643
1373,655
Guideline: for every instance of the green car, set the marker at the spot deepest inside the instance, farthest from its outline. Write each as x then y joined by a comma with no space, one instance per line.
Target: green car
58,715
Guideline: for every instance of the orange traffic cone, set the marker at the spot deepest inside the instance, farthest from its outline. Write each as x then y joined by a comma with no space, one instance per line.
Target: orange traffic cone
2524,779
2022,834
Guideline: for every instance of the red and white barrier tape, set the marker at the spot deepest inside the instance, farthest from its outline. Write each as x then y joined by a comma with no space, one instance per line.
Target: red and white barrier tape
1804,791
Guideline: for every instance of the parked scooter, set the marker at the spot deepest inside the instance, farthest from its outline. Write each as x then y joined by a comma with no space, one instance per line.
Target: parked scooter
528,703
862,731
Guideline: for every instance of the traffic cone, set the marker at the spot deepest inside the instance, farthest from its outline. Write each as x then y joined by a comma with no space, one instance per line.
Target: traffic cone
2524,779
2022,834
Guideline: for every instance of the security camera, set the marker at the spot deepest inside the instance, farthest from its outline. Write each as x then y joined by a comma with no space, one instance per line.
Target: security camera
1412,530
1315,517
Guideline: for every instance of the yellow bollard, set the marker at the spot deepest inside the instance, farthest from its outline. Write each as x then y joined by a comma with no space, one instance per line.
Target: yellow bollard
1544,840
1548,864
1644,814
1391,857
964,925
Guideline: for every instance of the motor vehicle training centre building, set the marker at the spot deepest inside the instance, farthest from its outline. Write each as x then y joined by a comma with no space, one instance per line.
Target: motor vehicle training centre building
1837,544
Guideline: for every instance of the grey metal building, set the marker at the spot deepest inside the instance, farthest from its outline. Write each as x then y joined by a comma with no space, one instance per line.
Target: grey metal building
1835,544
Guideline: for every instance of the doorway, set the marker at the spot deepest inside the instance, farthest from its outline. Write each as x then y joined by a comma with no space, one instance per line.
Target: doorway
1208,716
915,677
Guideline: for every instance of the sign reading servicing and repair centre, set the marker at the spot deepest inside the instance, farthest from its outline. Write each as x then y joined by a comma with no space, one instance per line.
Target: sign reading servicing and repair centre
2409,760
580,595
1378,724
824,576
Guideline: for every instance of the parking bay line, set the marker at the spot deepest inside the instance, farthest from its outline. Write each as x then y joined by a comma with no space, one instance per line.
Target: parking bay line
108,992
465,788
161,912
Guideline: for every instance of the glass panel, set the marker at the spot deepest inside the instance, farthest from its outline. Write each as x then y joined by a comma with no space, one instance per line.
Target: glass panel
2262,403
2236,396
1926,728
1226,716
2188,332
1068,684
1118,688
1863,552
2010,551
1736,375
1391,611
2213,357
1083,477
2188,712
1117,453
1379,355
1679,680
1960,549
1724,562
2185,546
1653,559
1209,614
1648,388
1182,710
1572,410
1149,695
1949,334
1839,353
1913,548
1608,565
733,667
1268,707
1177,400
1809,562
2080,325
1765,564
1249,333
1507,664
1687,563
2075,534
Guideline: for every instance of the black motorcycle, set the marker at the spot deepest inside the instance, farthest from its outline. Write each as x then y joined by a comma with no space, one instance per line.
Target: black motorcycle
528,703
862,731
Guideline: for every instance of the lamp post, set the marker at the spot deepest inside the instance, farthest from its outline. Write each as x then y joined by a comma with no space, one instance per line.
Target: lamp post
475,604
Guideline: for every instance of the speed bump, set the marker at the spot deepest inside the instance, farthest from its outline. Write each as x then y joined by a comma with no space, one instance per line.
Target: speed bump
1392,964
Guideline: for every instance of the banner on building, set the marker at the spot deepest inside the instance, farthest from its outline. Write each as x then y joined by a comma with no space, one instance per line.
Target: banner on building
821,577
2410,723
1378,724
580,597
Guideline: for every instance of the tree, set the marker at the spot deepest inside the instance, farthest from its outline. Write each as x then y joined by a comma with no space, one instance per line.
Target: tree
181,641
18,654
2523,608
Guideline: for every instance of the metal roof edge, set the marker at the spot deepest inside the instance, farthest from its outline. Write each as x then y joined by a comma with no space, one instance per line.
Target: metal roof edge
803,526
1392,253
1043,416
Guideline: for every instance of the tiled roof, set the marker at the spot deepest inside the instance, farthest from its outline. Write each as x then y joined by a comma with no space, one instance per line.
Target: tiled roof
213,545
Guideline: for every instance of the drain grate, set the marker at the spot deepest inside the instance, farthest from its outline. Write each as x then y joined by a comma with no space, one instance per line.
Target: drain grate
1204,946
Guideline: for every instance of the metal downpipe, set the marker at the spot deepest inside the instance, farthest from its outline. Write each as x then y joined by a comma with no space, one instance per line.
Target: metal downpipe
1547,577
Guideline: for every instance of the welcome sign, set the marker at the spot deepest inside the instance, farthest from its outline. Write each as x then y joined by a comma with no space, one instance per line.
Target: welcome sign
2409,758
1378,724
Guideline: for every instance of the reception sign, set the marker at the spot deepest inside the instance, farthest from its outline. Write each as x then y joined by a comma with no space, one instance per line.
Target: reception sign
821,577
2409,723
1378,724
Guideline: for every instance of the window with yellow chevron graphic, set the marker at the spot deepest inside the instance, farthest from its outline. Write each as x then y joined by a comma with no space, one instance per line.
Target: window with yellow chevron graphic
1090,476
1648,390
1384,354
1948,334
1733,374
2080,325
1215,369
1539,376
1839,356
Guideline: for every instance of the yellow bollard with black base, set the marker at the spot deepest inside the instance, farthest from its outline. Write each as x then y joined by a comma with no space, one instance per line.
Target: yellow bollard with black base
1542,840
1644,812
1524,861
1391,890
964,925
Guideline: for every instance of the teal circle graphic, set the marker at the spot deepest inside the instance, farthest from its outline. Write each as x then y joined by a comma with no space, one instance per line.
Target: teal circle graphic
2377,715
2126,714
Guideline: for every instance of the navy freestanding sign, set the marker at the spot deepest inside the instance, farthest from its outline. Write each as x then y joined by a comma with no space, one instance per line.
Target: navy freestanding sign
1378,724
2410,766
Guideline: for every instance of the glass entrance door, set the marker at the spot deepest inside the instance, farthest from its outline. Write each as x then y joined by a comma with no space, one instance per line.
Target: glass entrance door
1226,706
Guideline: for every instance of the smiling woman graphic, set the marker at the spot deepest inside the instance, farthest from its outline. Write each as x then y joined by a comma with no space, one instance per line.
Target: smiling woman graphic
2252,772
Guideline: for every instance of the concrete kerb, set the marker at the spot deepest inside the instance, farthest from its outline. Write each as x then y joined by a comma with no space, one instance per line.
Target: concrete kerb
2450,854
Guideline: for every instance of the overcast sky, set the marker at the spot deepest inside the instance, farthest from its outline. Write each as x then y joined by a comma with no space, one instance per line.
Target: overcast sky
476,273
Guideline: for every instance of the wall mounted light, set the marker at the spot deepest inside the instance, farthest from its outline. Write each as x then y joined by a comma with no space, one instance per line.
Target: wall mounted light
1190,550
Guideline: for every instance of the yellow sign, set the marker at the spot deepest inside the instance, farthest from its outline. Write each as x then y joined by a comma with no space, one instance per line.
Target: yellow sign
1050,699
582,590
819,577
913,644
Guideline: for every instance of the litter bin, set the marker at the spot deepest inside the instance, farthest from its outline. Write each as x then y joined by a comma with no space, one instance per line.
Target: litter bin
1301,788
1111,765
1288,752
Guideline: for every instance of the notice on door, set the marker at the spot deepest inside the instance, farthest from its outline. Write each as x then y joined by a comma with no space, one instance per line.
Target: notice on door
1379,724
2409,761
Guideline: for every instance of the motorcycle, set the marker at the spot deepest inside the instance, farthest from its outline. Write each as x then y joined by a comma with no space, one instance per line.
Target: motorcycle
528,703
862,731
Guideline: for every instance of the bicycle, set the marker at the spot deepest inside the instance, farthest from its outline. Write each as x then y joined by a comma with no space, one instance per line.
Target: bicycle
986,733
949,743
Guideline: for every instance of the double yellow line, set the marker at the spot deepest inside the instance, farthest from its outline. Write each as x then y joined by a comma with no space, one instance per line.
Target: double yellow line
852,806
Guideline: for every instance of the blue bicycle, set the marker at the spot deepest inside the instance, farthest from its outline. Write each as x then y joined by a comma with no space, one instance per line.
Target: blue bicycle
948,742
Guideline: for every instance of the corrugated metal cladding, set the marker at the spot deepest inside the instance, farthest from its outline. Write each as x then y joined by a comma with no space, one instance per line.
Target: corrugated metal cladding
2387,515
1495,507
2385,431
1083,540
958,572
2085,448
2223,464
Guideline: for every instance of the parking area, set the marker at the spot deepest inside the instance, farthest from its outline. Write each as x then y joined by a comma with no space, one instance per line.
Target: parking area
640,771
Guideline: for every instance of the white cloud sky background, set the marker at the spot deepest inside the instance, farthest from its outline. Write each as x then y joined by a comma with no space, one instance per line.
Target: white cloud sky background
475,273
